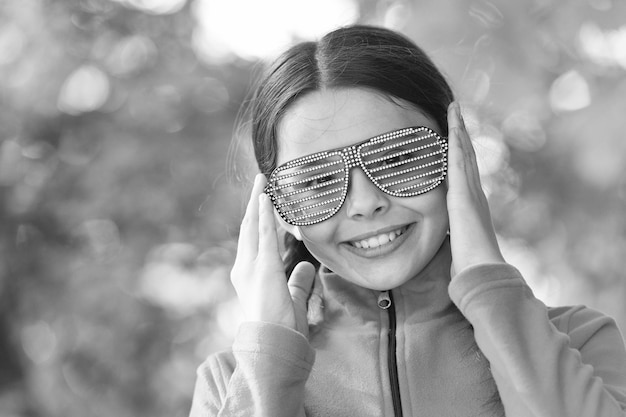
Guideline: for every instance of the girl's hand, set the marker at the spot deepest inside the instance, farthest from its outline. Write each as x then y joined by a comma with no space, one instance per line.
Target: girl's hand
258,274
472,237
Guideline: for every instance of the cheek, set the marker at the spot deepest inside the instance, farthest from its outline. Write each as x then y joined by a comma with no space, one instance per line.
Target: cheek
319,235
320,241
438,207
439,214
433,207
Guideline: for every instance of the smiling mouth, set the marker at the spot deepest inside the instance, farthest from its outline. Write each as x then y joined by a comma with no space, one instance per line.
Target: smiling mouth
379,240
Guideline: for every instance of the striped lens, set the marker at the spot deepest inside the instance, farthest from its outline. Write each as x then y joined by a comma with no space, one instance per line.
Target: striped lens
402,163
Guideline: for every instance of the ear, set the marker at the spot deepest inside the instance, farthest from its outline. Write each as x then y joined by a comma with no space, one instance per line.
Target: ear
289,228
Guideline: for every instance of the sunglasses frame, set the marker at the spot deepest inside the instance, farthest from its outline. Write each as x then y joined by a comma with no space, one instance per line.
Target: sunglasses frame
351,156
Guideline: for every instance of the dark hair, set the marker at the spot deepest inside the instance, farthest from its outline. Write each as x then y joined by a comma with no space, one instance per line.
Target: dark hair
353,56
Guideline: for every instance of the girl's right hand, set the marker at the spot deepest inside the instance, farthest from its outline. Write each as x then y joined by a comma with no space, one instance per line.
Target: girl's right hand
258,274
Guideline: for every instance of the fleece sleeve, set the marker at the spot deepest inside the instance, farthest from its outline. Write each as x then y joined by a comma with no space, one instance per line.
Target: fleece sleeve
576,370
266,378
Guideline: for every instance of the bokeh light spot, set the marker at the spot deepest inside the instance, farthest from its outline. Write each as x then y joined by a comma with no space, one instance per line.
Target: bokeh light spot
569,92
38,341
252,29
85,90
524,131
545,286
491,152
605,48
398,15
11,43
131,54
174,279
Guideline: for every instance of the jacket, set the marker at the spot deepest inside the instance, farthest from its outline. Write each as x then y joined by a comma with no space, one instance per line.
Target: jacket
479,344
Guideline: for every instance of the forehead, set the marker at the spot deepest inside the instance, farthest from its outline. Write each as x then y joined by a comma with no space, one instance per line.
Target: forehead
334,118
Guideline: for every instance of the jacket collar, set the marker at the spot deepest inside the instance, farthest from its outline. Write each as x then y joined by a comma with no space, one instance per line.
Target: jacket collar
421,299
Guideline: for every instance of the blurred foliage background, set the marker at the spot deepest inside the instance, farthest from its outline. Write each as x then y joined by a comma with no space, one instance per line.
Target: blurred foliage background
120,201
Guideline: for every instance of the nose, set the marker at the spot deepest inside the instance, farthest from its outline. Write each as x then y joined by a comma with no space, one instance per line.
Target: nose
364,199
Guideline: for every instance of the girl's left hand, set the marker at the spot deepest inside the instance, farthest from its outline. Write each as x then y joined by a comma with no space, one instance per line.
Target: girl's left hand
472,236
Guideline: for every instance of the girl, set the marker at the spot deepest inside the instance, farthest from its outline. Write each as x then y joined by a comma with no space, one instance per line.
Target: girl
399,302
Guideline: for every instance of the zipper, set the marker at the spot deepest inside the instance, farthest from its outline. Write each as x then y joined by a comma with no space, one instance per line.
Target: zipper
385,301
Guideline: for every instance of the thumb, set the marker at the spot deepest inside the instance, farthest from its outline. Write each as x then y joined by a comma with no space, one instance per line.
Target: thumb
300,283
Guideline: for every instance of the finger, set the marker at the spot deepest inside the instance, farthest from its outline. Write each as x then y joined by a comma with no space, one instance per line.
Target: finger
454,122
469,152
268,238
456,162
248,234
300,283
464,170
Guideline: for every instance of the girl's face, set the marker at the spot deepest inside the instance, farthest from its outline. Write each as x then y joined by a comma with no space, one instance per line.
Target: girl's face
417,225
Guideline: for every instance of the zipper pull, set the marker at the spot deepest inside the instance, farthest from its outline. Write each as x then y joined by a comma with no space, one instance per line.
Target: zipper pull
384,301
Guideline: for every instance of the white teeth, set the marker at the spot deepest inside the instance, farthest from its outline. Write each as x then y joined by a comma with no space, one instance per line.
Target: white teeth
376,241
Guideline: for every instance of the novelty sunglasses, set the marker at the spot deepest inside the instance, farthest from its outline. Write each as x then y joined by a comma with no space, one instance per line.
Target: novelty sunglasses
402,163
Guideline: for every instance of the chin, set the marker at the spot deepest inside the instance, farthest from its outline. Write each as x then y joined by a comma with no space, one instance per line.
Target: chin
379,279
